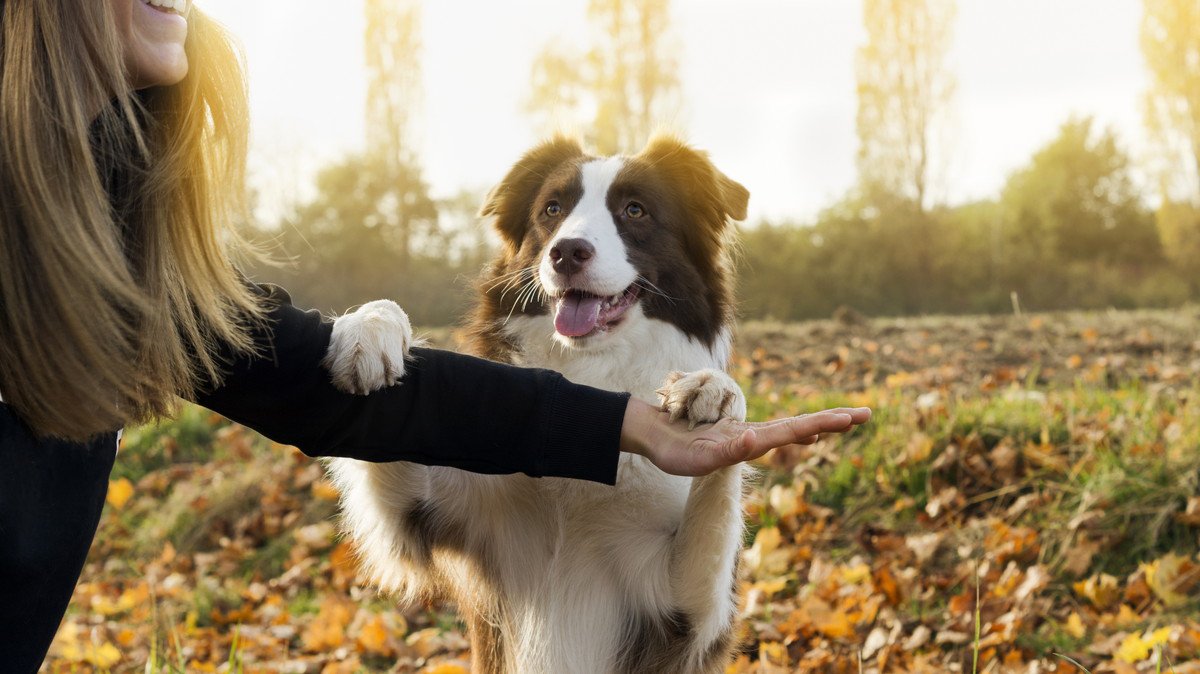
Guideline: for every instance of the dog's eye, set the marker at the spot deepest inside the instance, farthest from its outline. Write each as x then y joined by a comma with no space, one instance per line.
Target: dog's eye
553,209
634,210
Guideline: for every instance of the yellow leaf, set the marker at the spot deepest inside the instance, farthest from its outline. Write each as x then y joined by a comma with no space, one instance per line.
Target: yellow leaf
374,638
1171,578
103,656
1158,637
1136,648
445,668
324,490
784,500
767,539
773,652
1074,626
119,492
1132,649
425,642
764,558
1126,617
771,587
855,575
823,618
328,630
1101,589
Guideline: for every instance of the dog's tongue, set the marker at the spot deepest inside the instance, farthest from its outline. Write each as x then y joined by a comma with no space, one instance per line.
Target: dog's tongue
577,314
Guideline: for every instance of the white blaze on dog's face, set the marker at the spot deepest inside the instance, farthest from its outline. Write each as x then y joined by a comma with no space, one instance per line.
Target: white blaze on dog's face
615,240
584,268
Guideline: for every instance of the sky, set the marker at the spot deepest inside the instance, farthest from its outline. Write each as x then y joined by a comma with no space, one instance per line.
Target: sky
768,87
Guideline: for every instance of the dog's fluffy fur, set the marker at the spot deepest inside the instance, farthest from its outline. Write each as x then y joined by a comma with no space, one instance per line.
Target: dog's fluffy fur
556,575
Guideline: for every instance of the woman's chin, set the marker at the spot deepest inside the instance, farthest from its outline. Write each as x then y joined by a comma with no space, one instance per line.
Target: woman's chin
162,66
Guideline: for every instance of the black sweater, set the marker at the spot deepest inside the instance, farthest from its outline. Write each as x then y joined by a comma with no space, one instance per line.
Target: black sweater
448,410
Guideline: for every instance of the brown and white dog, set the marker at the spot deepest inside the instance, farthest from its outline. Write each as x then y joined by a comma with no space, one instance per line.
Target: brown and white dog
616,273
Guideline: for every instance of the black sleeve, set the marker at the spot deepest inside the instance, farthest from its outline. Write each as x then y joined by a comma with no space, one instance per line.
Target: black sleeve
449,410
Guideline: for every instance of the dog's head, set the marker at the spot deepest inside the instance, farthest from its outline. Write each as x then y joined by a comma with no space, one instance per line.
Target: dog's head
595,244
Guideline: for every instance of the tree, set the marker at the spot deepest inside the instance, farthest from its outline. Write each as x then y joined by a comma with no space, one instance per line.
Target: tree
346,252
904,92
392,47
623,87
1076,231
1170,40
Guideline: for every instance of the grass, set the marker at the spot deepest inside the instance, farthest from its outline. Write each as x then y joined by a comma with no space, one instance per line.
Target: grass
1109,460
1127,453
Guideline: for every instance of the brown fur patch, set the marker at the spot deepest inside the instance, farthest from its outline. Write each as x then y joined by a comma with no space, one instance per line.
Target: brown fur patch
655,644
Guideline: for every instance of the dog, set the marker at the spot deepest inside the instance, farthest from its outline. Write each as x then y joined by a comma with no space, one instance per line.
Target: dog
615,272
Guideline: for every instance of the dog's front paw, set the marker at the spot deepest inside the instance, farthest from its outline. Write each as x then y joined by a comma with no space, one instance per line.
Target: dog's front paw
703,396
368,347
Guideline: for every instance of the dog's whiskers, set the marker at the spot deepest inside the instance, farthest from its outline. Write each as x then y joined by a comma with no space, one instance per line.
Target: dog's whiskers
526,292
511,279
503,278
645,284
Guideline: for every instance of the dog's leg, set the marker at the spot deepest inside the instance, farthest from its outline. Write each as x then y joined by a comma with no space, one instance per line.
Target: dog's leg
368,347
705,549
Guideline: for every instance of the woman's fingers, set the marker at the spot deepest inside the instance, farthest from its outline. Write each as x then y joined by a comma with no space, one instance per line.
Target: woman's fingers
860,415
729,442
793,430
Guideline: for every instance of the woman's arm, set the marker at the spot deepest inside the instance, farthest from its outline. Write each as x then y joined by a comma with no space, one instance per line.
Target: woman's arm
451,410
465,412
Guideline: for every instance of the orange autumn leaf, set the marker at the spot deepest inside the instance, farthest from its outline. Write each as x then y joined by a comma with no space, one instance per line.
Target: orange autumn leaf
324,490
119,492
374,638
328,629
1101,590
446,668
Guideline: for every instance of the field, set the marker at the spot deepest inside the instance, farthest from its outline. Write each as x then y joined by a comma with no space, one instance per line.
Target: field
1026,499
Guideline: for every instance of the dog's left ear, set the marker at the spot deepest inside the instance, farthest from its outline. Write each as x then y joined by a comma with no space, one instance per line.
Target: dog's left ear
704,183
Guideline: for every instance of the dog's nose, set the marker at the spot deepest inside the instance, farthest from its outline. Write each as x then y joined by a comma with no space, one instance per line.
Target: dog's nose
570,256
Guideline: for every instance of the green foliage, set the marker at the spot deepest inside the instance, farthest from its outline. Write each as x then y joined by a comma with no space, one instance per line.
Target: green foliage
349,244
1069,231
187,438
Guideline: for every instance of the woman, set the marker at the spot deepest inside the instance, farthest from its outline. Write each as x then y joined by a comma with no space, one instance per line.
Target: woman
123,136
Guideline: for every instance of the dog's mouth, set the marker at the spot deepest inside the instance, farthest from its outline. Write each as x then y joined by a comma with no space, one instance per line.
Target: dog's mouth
578,313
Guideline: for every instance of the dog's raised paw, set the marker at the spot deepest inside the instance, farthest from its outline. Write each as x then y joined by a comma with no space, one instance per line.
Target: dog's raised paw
703,397
368,347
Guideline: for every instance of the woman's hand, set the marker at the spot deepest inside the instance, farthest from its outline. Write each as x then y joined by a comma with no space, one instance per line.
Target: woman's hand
676,450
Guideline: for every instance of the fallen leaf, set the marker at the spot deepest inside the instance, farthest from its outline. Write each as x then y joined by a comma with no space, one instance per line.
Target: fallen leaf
1074,625
119,492
1136,648
1172,578
1101,590
375,638
327,631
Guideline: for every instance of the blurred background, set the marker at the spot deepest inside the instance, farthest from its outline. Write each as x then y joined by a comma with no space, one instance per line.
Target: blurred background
1026,498
928,156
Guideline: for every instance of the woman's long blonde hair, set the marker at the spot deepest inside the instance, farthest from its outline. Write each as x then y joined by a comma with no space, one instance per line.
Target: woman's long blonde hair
116,284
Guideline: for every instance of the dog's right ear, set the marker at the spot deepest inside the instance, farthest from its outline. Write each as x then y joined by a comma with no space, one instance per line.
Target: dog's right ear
511,202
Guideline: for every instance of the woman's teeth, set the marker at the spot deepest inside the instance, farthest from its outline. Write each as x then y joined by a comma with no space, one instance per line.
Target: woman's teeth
178,6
